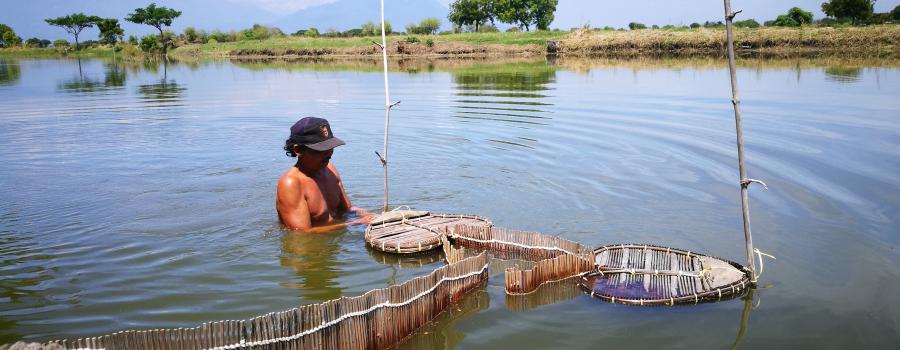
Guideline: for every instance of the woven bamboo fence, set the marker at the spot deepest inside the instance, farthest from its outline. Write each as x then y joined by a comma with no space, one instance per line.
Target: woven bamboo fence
378,319
563,258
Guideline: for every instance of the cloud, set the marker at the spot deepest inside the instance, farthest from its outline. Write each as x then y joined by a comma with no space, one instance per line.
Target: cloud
284,6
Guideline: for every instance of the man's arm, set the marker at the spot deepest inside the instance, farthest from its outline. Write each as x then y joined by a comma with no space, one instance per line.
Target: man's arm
292,206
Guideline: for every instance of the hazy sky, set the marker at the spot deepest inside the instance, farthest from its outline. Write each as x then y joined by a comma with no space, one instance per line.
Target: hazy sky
27,16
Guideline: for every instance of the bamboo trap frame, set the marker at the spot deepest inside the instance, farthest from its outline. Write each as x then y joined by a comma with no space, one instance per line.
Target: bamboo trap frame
641,274
407,235
562,258
378,319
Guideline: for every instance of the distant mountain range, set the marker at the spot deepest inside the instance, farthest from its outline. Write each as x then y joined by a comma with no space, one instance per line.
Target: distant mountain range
348,14
28,19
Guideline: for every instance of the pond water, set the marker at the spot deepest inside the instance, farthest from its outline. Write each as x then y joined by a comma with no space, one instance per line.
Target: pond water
140,196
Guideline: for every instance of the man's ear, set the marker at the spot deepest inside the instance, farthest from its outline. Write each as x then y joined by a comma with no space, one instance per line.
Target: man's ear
296,149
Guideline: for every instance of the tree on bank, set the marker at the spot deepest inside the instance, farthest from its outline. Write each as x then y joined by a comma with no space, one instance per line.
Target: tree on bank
795,17
110,31
157,17
855,11
74,23
8,37
471,12
525,13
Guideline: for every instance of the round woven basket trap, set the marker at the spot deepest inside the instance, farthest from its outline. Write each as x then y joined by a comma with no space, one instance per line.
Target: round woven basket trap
642,274
413,232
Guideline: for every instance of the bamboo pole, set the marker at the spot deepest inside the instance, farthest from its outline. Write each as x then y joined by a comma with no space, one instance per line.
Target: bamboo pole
387,109
736,102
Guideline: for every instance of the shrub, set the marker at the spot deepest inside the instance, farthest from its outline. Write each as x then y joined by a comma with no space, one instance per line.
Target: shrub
311,32
429,25
149,43
750,23
60,43
695,25
636,26
795,17
429,42
488,28
513,30
212,41
133,40
412,39
34,42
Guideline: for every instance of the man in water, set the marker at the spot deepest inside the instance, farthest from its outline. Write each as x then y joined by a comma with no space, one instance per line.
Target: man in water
310,196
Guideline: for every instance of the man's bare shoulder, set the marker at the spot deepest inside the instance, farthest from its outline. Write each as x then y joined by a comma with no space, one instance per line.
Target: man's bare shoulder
334,170
291,180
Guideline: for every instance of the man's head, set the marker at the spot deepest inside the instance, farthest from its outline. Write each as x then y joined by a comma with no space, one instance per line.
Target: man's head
312,140
311,133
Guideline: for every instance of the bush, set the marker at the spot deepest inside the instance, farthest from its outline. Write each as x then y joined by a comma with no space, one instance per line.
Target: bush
750,23
488,28
795,17
513,30
195,36
311,32
60,43
412,39
636,26
429,42
150,43
133,40
212,41
223,37
33,42
260,32
695,25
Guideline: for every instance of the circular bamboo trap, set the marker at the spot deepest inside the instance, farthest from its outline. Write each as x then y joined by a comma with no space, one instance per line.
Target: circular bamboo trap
641,274
408,231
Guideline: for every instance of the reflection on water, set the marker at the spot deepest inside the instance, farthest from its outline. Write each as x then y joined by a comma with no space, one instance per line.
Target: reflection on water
313,259
509,95
157,221
9,72
842,74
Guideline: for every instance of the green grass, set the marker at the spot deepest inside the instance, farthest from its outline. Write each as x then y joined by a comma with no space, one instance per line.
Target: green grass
23,52
292,42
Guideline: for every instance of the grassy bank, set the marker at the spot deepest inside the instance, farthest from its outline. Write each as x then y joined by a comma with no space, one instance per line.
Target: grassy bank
23,52
881,38
423,45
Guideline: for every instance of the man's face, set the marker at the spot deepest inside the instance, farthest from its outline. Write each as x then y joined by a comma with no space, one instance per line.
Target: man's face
315,160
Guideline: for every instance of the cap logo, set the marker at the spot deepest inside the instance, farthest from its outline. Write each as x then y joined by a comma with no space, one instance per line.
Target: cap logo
324,129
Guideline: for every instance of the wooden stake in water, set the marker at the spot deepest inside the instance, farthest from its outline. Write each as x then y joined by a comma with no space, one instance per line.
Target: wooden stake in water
736,102
387,109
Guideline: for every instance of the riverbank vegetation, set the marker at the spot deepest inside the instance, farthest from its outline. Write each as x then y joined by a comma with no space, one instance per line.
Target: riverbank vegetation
850,25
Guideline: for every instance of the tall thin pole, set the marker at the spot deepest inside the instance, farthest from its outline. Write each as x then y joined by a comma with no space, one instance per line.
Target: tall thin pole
736,102
387,108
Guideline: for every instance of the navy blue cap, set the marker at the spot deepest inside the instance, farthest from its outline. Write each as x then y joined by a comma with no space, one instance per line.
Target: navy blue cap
314,133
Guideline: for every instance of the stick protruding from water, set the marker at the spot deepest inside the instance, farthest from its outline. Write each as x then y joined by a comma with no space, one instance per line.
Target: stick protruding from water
736,102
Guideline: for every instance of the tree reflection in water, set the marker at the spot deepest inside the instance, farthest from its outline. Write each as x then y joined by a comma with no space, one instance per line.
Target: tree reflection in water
9,72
